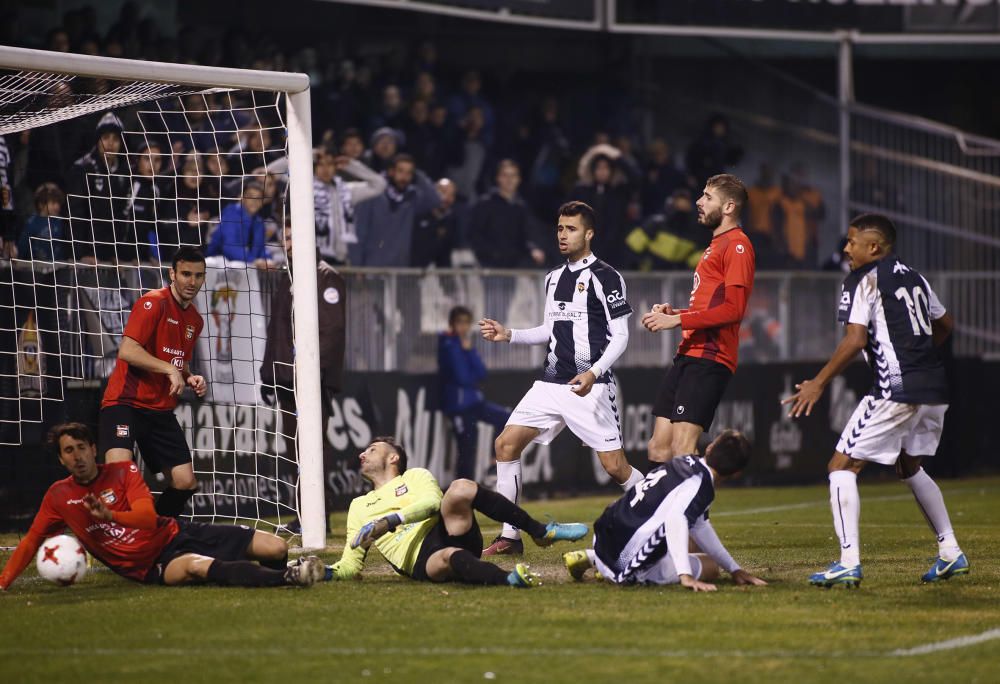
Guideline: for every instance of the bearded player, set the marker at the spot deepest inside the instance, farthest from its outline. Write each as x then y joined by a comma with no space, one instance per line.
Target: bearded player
110,510
430,536
152,370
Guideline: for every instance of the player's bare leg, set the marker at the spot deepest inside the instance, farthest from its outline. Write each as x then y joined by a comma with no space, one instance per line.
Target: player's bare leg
659,444
950,561
183,485
684,438
269,550
193,568
618,467
508,445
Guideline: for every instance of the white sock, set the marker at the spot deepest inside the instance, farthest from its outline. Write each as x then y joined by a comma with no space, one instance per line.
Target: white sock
591,556
845,502
931,503
635,477
509,485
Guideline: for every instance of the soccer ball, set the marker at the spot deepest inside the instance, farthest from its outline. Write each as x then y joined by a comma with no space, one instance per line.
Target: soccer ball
62,560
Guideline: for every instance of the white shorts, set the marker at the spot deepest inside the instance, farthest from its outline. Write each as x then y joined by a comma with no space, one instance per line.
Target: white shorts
661,572
594,418
880,428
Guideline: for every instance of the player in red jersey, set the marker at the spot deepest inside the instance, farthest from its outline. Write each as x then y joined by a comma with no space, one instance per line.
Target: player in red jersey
110,510
152,370
706,358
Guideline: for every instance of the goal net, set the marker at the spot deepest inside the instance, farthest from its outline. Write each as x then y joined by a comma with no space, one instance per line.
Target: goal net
185,151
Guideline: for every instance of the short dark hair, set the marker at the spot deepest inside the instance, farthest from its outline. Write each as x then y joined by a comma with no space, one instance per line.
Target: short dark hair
396,447
581,209
879,223
188,253
74,430
47,192
730,187
401,158
729,453
351,133
457,311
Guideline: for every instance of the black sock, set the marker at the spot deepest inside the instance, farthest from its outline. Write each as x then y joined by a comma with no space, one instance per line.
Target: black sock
497,506
471,570
279,564
172,501
244,574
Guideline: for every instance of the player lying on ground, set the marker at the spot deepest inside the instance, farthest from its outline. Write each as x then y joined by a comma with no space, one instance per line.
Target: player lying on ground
893,317
586,329
429,536
110,510
643,537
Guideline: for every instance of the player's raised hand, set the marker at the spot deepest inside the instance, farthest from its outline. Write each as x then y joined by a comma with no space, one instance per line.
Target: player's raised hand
176,382
743,578
198,384
696,585
493,331
655,322
809,392
96,507
583,383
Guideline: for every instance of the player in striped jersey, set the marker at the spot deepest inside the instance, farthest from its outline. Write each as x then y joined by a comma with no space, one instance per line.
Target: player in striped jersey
586,328
893,317
643,537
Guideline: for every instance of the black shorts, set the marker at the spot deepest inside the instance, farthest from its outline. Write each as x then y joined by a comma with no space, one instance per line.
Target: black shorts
221,542
691,391
159,437
438,538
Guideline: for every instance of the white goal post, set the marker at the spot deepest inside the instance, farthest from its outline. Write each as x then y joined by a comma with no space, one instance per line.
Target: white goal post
295,87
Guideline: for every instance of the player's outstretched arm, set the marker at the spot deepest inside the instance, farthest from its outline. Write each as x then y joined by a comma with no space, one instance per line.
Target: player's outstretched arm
493,331
707,539
809,391
21,558
132,353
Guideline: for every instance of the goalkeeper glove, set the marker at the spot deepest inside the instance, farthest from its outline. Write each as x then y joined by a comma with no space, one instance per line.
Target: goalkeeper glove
367,535
267,394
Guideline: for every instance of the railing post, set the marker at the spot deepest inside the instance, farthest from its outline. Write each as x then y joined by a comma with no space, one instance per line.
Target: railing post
845,97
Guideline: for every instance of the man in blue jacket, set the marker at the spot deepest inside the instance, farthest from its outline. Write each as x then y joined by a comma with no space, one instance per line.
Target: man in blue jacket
241,235
461,371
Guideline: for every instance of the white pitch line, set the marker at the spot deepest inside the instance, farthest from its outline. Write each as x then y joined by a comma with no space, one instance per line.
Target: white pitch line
825,502
950,644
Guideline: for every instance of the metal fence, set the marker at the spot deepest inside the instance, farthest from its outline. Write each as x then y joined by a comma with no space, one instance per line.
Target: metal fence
394,317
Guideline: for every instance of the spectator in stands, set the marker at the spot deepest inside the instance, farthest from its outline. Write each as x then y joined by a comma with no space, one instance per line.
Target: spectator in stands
352,144
100,210
544,152
240,235
155,217
43,237
714,152
422,141
609,197
385,144
277,368
385,223
671,239
762,215
815,208
461,371
424,87
53,149
500,224
436,235
391,114
469,97
660,177
198,202
871,189
468,154
336,200
793,214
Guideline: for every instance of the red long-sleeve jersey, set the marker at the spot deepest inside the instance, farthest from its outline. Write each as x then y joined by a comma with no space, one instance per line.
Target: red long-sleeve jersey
723,282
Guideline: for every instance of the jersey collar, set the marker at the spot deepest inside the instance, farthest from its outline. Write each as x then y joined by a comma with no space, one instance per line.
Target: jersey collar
585,262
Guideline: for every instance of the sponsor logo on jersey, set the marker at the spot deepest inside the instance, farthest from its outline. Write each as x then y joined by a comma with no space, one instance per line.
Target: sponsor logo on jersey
171,321
178,362
70,502
616,299
173,352
697,282
189,332
680,410
331,295
845,300
562,306
401,489
708,251
121,430
580,287
132,468
108,496
565,315
900,268
147,305
740,249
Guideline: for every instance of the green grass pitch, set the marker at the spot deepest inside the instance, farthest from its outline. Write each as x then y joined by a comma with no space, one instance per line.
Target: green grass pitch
391,629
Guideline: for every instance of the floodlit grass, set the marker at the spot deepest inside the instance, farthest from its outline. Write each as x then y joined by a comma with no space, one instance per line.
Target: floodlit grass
387,628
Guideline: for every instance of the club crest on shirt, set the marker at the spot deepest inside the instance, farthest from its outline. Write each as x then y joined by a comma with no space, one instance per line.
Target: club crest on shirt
580,287
121,430
147,305
401,489
108,496
189,332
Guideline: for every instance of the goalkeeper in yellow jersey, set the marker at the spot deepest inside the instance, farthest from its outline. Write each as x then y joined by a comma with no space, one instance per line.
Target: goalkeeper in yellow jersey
431,536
